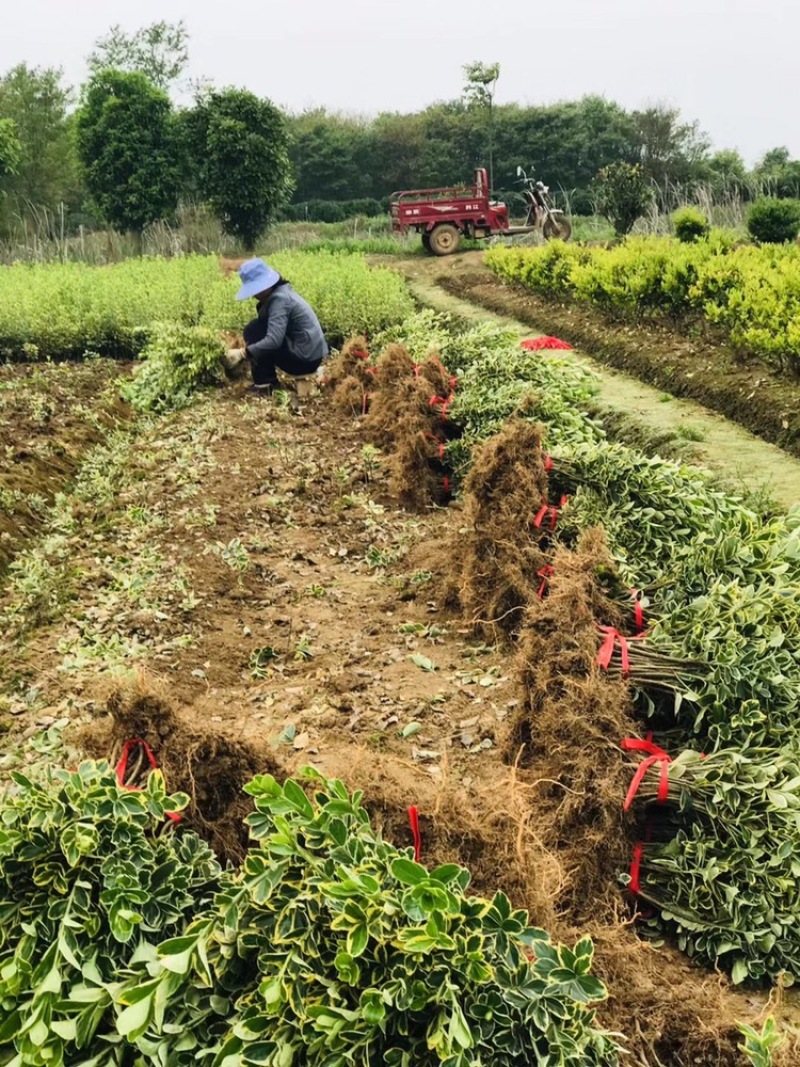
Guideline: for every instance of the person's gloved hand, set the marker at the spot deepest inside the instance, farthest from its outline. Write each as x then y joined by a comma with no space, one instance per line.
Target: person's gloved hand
233,358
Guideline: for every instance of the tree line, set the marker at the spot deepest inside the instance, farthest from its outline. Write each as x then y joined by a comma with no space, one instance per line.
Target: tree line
119,153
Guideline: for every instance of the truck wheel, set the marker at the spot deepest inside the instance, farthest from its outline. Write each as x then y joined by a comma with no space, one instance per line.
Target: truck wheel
426,241
557,226
444,239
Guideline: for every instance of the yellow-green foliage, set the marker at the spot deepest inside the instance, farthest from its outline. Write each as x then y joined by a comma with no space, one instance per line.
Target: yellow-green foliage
65,310
346,294
752,293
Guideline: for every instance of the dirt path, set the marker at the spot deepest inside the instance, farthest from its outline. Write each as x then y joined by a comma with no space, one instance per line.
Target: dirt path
717,443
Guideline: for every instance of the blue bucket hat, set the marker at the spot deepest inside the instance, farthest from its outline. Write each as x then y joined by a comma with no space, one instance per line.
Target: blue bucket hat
256,277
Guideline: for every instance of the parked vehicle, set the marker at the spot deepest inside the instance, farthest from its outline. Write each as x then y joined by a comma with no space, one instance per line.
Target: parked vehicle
541,211
445,215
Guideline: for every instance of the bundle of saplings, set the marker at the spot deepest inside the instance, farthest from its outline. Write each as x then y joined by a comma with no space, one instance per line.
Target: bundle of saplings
723,864
332,947
92,876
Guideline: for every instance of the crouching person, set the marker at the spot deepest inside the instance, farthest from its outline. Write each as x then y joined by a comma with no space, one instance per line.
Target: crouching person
285,335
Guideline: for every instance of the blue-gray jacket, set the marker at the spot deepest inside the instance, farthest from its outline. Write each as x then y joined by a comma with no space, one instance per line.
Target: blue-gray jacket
291,323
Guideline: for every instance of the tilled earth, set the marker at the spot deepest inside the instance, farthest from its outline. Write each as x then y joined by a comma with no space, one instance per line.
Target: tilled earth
237,587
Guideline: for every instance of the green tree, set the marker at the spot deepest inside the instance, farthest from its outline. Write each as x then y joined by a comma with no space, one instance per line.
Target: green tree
240,146
331,157
622,194
128,148
397,147
159,51
670,151
565,144
479,90
779,173
46,172
10,148
774,221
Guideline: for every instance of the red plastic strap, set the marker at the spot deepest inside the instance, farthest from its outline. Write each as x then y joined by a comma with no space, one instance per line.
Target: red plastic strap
612,639
413,818
549,509
638,610
416,370
545,574
372,370
122,765
535,344
122,769
548,463
359,353
636,866
446,484
442,445
655,755
441,401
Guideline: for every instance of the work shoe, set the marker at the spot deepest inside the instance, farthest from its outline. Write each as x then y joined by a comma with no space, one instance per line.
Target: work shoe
265,388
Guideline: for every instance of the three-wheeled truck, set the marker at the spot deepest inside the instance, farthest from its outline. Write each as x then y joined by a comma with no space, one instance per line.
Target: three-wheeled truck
443,216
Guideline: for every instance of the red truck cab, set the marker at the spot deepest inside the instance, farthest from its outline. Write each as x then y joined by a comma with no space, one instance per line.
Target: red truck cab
443,216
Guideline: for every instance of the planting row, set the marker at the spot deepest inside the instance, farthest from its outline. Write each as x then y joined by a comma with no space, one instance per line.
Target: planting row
123,943
67,310
718,671
751,293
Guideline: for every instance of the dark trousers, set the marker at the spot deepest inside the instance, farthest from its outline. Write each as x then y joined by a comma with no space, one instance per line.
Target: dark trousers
263,365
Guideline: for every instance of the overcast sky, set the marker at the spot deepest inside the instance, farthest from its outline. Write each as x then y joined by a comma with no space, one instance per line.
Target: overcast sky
732,64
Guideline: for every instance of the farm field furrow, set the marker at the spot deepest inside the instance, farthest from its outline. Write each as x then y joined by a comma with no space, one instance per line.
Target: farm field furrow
746,391
278,610
559,669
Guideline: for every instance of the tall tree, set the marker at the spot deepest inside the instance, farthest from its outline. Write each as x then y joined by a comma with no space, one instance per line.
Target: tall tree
479,90
128,147
159,51
670,150
240,144
779,173
330,155
37,102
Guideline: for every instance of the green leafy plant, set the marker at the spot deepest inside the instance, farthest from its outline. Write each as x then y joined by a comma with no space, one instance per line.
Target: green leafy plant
261,661
690,224
622,193
758,1046
332,946
723,868
89,881
774,221
178,361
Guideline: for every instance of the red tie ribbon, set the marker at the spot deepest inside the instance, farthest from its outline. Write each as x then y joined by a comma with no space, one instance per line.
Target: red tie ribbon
613,638
549,509
413,818
122,770
655,756
545,574
638,610
535,344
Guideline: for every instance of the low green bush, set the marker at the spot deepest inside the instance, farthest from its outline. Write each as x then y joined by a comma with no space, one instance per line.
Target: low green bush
773,221
690,224
752,293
